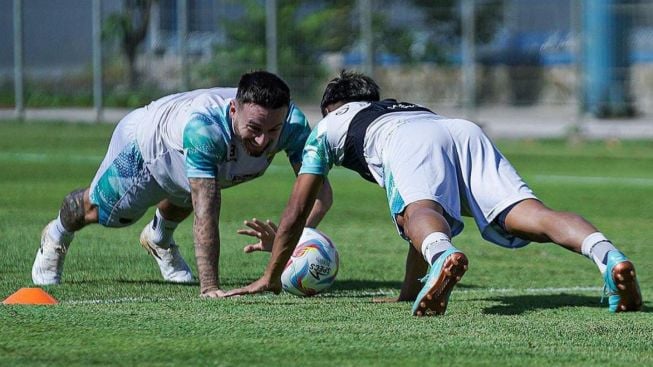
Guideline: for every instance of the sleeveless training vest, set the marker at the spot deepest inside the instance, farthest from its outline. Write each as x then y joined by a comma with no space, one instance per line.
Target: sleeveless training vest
354,157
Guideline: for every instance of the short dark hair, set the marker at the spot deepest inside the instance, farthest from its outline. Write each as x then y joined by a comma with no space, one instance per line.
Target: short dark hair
349,86
264,89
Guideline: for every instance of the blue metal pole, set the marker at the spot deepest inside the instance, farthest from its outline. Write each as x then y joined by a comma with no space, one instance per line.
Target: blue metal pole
18,61
606,58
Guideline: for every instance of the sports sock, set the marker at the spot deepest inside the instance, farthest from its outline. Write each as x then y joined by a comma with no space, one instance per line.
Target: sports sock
434,245
59,233
162,229
596,247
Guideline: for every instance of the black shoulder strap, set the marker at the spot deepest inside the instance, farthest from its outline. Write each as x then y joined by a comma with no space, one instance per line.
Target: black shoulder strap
354,157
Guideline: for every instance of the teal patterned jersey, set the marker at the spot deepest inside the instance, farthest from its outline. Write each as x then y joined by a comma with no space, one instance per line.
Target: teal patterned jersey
190,135
325,146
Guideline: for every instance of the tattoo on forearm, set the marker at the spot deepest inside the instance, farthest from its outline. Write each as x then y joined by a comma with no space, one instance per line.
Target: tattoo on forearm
206,203
207,258
72,211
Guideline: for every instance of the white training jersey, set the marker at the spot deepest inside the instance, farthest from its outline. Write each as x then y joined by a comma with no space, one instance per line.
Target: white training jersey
325,145
190,135
418,155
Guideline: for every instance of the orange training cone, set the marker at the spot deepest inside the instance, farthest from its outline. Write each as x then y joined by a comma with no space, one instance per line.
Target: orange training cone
30,296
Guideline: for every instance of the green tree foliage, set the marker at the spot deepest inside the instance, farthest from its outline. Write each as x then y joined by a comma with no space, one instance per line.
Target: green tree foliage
309,29
446,29
129,27
305,31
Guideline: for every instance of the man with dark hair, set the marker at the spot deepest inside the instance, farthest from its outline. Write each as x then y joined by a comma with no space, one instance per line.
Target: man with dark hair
434,170
178,153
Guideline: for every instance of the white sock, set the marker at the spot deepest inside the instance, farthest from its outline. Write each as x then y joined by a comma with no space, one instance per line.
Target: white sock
162,229
59,233
596,247
434,245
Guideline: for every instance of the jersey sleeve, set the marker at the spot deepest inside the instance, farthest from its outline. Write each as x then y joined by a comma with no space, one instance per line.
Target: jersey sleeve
205,146
295,133
317,157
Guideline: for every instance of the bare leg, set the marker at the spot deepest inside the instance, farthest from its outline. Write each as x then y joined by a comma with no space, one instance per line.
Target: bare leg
173,212
532,220
416,268
418,220
165,221
422,218
422,221
77,211
156,239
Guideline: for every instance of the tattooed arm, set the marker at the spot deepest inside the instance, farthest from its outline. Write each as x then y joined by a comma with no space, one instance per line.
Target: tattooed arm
205,193
302,198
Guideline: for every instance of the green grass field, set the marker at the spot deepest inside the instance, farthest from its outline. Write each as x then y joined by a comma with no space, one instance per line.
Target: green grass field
535,306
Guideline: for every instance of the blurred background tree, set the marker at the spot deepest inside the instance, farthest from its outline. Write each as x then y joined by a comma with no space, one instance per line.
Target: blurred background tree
444,29
307,29
129,27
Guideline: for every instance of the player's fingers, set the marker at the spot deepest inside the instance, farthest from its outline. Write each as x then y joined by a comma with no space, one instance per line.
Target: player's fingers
253,225
258,222
237,292
263,227
249,232
213,294
272,225
253,248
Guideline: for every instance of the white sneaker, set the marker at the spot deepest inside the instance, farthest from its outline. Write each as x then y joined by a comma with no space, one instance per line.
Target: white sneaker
48,264
173,267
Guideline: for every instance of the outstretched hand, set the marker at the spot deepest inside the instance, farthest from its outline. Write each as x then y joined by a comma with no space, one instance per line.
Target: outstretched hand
259,286
213,293
264,231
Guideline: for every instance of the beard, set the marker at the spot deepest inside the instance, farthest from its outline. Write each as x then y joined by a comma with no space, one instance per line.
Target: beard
252,152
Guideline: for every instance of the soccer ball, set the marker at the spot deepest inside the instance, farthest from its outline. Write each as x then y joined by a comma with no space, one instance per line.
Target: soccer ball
313,266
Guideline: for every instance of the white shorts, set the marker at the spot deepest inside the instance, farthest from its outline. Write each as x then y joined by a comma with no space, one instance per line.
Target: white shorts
453,163
123,188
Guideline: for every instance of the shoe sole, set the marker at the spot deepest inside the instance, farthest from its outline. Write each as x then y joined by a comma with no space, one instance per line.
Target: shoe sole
436,298
625,279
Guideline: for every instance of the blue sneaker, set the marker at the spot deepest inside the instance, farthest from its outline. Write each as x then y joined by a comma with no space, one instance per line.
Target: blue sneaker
621,284
443,275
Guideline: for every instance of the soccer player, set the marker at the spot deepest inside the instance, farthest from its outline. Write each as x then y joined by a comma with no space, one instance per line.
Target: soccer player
178,153
434,170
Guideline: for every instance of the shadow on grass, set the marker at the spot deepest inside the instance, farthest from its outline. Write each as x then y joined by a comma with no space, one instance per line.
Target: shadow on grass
371,285
364,285
516,305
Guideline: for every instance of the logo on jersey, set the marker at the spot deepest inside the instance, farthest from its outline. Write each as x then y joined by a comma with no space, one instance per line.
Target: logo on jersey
342,111
232,152
401,106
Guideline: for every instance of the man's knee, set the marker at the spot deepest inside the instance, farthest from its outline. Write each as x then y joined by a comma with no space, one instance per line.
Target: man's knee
77,211
423,217
173,212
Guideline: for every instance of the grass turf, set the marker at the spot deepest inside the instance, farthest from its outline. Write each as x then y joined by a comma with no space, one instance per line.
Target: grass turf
534,306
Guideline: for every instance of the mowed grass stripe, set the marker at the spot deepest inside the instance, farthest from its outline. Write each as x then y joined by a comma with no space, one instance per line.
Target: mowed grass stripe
550,178
48,158
594,180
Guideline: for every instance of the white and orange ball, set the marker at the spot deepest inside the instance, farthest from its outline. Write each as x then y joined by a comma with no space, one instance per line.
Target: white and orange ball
313,266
